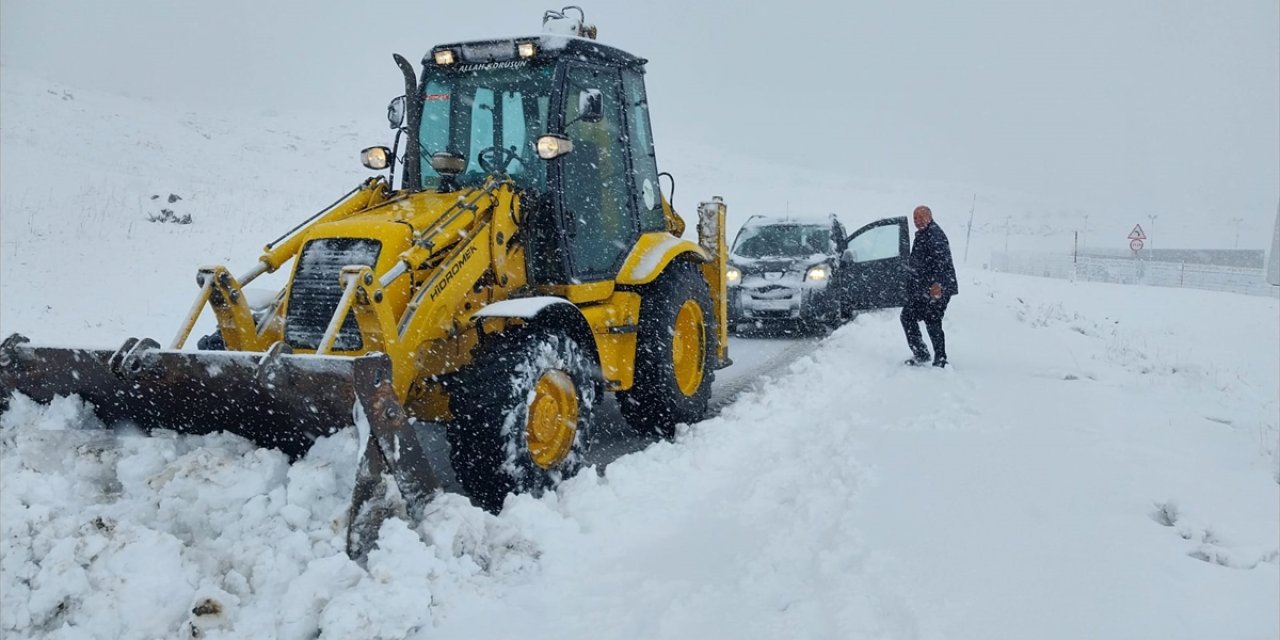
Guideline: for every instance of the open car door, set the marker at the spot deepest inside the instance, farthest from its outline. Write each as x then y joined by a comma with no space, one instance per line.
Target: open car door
875,265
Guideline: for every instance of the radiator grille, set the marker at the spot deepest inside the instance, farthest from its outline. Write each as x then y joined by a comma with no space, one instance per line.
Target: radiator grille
314,294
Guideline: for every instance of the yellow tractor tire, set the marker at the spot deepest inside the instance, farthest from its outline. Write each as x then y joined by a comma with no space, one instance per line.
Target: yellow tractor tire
675,347
523,414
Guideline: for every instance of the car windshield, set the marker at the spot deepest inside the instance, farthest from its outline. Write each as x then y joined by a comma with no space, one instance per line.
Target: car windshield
782,240
469,108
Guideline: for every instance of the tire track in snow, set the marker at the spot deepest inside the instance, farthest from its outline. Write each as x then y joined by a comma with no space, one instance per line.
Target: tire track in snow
733,381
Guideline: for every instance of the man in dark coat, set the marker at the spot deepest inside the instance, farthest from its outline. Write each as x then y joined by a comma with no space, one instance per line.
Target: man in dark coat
933,282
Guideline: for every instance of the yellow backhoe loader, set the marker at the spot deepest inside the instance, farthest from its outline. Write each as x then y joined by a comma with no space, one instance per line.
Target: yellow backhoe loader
527,263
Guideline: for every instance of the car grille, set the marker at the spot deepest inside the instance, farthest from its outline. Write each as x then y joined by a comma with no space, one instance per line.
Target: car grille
315,292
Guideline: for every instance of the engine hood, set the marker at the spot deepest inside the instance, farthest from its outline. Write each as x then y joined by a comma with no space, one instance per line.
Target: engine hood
752,266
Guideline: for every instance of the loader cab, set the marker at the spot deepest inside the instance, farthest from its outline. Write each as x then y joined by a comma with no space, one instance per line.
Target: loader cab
488,103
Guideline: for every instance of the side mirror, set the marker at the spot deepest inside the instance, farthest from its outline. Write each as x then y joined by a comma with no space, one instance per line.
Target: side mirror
838,239
448,164
395,112
590,105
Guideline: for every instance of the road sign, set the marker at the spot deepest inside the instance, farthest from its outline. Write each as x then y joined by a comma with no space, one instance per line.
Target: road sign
1136,244
1137,234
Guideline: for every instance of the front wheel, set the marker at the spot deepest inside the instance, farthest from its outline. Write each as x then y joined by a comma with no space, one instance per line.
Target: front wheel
674,349
522,415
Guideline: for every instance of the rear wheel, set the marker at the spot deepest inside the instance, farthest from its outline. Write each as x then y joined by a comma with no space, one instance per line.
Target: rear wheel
674,349
522,415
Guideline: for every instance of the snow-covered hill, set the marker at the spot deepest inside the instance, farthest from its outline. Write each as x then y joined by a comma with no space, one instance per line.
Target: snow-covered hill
1100,462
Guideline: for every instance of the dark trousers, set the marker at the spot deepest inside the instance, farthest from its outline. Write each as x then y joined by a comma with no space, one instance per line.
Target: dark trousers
931,312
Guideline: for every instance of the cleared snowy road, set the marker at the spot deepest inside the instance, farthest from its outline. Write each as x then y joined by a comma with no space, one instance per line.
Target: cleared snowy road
754,359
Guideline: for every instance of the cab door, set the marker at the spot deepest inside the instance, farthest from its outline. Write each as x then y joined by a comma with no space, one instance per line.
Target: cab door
875,266
595,196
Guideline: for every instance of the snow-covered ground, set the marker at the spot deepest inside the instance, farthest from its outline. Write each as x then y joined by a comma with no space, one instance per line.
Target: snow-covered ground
1100,462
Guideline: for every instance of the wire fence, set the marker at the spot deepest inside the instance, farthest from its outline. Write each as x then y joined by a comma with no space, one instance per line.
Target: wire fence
1136,271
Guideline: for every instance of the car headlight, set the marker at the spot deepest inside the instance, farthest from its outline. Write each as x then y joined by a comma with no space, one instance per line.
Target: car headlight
817,273
733,275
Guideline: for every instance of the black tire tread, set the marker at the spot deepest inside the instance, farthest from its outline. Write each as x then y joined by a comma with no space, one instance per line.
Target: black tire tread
654,404
482,397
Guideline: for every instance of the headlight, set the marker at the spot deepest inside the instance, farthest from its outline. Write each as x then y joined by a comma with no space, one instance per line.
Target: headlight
376,157
817,273
443,57
732,275
552,146
448,164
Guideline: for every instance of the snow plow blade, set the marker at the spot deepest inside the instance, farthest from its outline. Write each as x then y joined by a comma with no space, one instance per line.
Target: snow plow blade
277,400
284,403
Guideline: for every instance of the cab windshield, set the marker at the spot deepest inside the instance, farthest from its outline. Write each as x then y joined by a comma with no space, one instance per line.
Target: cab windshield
470,108
782,240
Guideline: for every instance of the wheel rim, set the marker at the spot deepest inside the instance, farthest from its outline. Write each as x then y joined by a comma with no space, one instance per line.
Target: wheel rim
553,419
688,347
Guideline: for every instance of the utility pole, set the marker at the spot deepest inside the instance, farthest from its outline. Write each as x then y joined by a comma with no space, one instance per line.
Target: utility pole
969,229
1006,233
1075,253
1237,221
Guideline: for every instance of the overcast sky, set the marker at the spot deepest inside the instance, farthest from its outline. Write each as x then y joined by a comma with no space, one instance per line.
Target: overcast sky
1151,106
